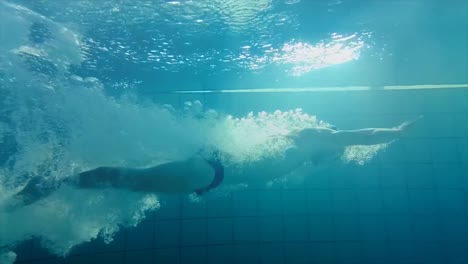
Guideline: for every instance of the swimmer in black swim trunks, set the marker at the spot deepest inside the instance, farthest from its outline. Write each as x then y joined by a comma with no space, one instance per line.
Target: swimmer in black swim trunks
203,173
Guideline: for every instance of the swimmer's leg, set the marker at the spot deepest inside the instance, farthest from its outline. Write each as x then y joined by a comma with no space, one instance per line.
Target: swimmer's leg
39,188
102,177
36,189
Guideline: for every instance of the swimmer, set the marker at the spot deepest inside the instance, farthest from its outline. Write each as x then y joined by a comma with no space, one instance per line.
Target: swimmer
204,172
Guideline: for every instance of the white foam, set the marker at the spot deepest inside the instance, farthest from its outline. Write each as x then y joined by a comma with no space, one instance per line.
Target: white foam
70,217
7,257
77,127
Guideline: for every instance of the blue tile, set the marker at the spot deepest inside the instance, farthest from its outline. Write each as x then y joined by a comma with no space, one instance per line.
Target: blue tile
296,228
193,255
271,228
141,237
298,253
170,208
347,228
86,248
220,206
322,252
393,177
81,259
140,257
426,228
118,243
248,253
420,176
393,153
372,228
444,127
401,252
220,254
47,261
150,216
460,127
294,202
37,251
463,173
344,201
446,176
220,230
418,150
246,229
272,253
193,209
321,228
462,151
167,233
454,252
370,201
317,181
375,252
452,201
349,252
245,203
194,232
166,255
341,178
444,149
423,201
368,176
428,253
319,201
398,228
395,201
269,202
23,250
111,257
454,228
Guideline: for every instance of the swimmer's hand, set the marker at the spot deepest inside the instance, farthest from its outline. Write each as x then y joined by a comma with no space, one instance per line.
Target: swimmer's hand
407,124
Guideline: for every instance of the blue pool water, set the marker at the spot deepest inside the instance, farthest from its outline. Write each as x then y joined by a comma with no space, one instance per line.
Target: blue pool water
138,83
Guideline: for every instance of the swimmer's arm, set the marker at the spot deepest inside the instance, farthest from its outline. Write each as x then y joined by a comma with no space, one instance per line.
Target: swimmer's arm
365,136
370,136
342,138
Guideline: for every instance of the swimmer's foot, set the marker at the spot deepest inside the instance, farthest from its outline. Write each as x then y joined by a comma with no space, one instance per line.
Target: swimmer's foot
37,188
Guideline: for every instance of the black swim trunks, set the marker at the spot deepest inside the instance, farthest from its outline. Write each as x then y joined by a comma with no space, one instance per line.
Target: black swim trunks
215,163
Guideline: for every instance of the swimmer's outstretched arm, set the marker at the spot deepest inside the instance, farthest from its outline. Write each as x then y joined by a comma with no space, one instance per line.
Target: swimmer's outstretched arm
365,136
371,136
